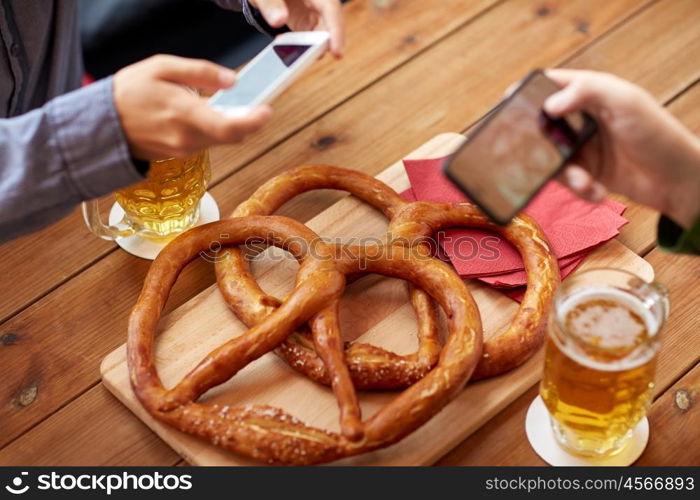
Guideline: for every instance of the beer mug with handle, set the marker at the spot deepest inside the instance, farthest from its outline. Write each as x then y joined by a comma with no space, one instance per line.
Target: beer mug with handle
600,360
160,207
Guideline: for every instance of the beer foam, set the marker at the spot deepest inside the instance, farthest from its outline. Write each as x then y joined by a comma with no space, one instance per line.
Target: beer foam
612,319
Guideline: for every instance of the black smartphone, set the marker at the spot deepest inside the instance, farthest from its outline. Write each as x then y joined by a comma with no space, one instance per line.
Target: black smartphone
512,154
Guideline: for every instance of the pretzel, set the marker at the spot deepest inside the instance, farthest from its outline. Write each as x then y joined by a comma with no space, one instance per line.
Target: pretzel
410,223
267,433
371,367
526,332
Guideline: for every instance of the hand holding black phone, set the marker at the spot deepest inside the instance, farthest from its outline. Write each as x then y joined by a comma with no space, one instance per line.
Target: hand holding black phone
512,154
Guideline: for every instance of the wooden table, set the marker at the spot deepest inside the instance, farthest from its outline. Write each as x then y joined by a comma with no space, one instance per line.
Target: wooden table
411,71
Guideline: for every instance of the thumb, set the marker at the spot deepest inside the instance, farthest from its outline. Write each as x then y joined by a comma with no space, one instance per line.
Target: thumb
196,73
580,181
220,129
274,11
570,98
582,90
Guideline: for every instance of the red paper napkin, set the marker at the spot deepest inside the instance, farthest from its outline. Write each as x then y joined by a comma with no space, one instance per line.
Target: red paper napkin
573,227
514,280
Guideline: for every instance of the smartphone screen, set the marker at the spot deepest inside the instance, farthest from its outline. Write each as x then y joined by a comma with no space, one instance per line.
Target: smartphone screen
516,150
256,78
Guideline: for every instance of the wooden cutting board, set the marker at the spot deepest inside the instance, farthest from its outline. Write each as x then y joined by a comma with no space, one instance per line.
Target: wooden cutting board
374,309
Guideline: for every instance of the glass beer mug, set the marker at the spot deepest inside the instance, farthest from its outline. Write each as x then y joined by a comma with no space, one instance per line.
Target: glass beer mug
160,207
600,359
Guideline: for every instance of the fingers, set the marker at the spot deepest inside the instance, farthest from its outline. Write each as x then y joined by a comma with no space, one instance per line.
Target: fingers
563,76
161,118
234,129
275,12
582,183
332,15
570,98
196,73
580,93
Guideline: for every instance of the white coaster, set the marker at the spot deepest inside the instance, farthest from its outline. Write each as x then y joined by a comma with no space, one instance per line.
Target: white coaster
149,249
541,437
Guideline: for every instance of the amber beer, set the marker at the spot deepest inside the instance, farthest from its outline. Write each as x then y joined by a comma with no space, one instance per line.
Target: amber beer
159,208
600,359
167,202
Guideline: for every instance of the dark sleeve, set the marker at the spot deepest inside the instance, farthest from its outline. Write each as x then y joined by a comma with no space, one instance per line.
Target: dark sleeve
674,238
253,16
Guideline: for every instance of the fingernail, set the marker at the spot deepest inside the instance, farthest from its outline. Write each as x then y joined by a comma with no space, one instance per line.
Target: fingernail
227,77
555,102
511,88
576,179
277,16
598,192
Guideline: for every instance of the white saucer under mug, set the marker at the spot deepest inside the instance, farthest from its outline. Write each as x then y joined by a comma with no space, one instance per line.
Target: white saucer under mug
539,433
149,249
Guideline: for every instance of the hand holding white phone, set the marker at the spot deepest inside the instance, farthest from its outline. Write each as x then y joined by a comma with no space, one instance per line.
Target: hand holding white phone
271,72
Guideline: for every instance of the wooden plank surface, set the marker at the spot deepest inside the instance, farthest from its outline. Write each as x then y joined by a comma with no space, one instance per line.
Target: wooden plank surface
383,312
399,32
57,355
640,234
611,54
674,422
665,28
76,443
679,353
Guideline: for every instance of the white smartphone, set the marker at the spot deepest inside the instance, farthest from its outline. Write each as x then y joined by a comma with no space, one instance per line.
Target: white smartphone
271,71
